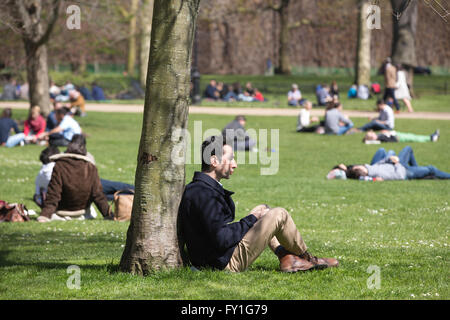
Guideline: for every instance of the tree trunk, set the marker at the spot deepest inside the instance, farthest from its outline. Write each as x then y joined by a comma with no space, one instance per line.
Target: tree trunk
404,36
362,68
146,30
37,75
284,63
132,39
152,242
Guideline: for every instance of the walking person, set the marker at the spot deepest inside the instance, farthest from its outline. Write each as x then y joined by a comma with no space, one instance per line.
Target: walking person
390,83
402,91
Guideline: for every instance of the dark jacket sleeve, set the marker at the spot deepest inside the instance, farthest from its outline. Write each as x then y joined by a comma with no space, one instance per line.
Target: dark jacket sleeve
222,234
53,193
98,197
15,127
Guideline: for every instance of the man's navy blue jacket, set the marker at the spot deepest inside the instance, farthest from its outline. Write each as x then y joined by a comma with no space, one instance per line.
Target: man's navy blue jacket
205,213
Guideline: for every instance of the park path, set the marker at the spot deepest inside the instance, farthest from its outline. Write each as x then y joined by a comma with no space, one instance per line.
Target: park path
250,111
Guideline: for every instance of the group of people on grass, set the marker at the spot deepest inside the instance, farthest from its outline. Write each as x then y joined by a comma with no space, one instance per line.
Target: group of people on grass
396,87
69,183
219,91
57,130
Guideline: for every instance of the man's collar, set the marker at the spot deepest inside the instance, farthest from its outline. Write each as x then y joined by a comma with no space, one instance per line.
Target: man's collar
200,176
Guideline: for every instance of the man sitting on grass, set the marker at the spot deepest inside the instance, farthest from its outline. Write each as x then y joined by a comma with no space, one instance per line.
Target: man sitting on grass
384,121
206,213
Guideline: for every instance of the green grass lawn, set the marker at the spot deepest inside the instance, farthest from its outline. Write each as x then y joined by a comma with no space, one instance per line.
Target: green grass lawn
432,92
402,226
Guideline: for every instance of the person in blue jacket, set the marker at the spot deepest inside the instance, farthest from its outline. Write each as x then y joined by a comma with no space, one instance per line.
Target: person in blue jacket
213,240
97,92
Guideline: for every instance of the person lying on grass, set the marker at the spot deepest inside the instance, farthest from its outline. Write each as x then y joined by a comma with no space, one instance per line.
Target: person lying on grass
213,241
388,166
395,136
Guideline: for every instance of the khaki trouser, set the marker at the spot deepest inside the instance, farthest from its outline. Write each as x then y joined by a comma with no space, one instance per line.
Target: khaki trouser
274,228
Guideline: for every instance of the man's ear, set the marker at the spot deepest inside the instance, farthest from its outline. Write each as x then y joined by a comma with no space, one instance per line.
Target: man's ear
214,161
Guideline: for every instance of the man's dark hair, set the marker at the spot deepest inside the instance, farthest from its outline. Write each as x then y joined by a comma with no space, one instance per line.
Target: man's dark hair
7,113
211,146
240,117
47,153
353,172
77,145
380,101
62,111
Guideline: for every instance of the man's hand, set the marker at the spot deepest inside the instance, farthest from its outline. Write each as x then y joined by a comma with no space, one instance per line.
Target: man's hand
260,211
394,159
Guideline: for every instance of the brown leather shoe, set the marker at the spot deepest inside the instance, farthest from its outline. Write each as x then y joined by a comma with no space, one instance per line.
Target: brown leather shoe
291,263
329,262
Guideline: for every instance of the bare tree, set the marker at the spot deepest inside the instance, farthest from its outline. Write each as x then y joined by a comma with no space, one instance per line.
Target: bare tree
404,36
145,37
34,20
152,241
362,68
281,7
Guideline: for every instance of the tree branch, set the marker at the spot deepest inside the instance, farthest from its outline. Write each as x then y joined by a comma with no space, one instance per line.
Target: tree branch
54,16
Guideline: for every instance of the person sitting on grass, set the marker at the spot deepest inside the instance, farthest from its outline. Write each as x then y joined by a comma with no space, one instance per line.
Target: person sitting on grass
213,241
335,121
77,103
304,119
394,136
45,174
295,96
109,187
384,121
74,185
6,125
211,91
388,166
67,128
34,126
236,136
97,92
323,95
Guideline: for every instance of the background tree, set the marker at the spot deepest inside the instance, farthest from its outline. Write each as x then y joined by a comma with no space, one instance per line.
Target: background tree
145,37
34,21
362,68
281,7
152,241
404,36
130,15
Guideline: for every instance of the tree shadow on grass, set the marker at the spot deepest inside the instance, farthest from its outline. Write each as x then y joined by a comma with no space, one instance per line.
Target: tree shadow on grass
45,265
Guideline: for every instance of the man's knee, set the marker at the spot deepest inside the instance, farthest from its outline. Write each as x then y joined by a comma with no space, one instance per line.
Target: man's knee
278,215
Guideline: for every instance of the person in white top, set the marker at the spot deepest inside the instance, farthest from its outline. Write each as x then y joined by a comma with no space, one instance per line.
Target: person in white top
304,119
402,91
295,96
67,127
44,175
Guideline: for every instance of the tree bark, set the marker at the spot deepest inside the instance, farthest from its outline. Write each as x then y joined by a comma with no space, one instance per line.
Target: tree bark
37,75
284,63
132,38
146,30
152,241
28,17
362,68
404,37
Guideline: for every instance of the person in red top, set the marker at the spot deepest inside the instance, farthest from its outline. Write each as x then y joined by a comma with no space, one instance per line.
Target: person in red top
258,95
34,125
